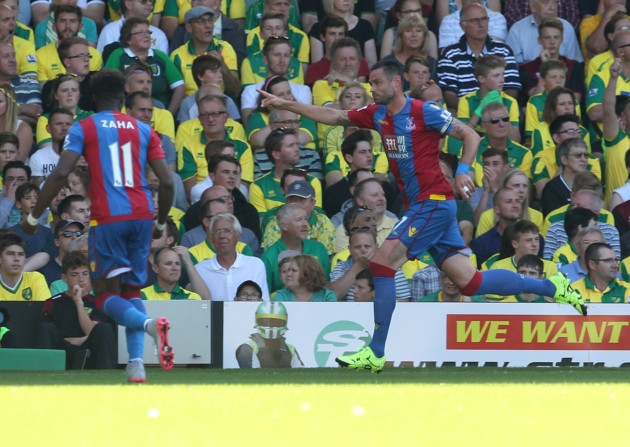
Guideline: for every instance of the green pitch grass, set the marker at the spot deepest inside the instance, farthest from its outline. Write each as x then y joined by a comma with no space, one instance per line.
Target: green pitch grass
317,407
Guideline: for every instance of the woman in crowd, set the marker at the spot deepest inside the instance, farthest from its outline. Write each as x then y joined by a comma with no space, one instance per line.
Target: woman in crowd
352,96
560,101
412,39
9,121
517,180
304,280
65,94
402,10
168,83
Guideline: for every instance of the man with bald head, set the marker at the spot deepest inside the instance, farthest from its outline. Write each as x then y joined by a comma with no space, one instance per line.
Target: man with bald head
456,67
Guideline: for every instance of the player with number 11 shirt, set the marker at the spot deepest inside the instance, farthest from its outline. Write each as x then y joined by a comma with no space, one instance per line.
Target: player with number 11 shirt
117,149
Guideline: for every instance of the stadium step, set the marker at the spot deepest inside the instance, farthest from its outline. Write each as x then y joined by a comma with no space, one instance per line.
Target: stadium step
32,360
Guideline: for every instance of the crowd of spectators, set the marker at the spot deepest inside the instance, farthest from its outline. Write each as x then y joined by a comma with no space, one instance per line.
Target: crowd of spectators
297,207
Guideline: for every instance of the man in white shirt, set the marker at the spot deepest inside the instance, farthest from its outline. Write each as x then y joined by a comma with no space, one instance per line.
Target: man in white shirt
523,35
224,272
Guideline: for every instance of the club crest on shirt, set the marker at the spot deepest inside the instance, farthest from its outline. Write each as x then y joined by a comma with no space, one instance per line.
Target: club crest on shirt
27,294
410,124
395,146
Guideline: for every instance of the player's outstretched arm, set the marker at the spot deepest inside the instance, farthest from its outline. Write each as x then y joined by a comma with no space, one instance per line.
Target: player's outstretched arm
55,181
463,182
324,115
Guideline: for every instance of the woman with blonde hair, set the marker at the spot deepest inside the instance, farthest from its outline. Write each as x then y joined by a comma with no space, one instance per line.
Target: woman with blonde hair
518,181
412,39
352,96
9,121
304,280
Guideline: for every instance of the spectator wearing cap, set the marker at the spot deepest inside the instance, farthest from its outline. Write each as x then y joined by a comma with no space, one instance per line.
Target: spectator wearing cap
320,227
281,147
225,28
199,23
293,222
65,232
248,291
229,268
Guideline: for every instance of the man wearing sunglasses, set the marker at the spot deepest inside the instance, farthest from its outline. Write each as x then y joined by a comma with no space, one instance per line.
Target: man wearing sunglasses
65,232
496,124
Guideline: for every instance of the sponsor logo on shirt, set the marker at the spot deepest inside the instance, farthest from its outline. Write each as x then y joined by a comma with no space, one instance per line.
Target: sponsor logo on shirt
395,146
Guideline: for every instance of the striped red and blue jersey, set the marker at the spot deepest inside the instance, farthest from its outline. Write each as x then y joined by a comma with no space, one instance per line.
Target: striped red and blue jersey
117,148
411,139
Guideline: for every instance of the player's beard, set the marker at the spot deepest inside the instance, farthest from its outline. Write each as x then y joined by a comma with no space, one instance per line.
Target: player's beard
386,97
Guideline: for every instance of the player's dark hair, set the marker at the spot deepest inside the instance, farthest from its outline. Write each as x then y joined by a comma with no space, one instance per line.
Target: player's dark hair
576,217
16,164
108,85
390,68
